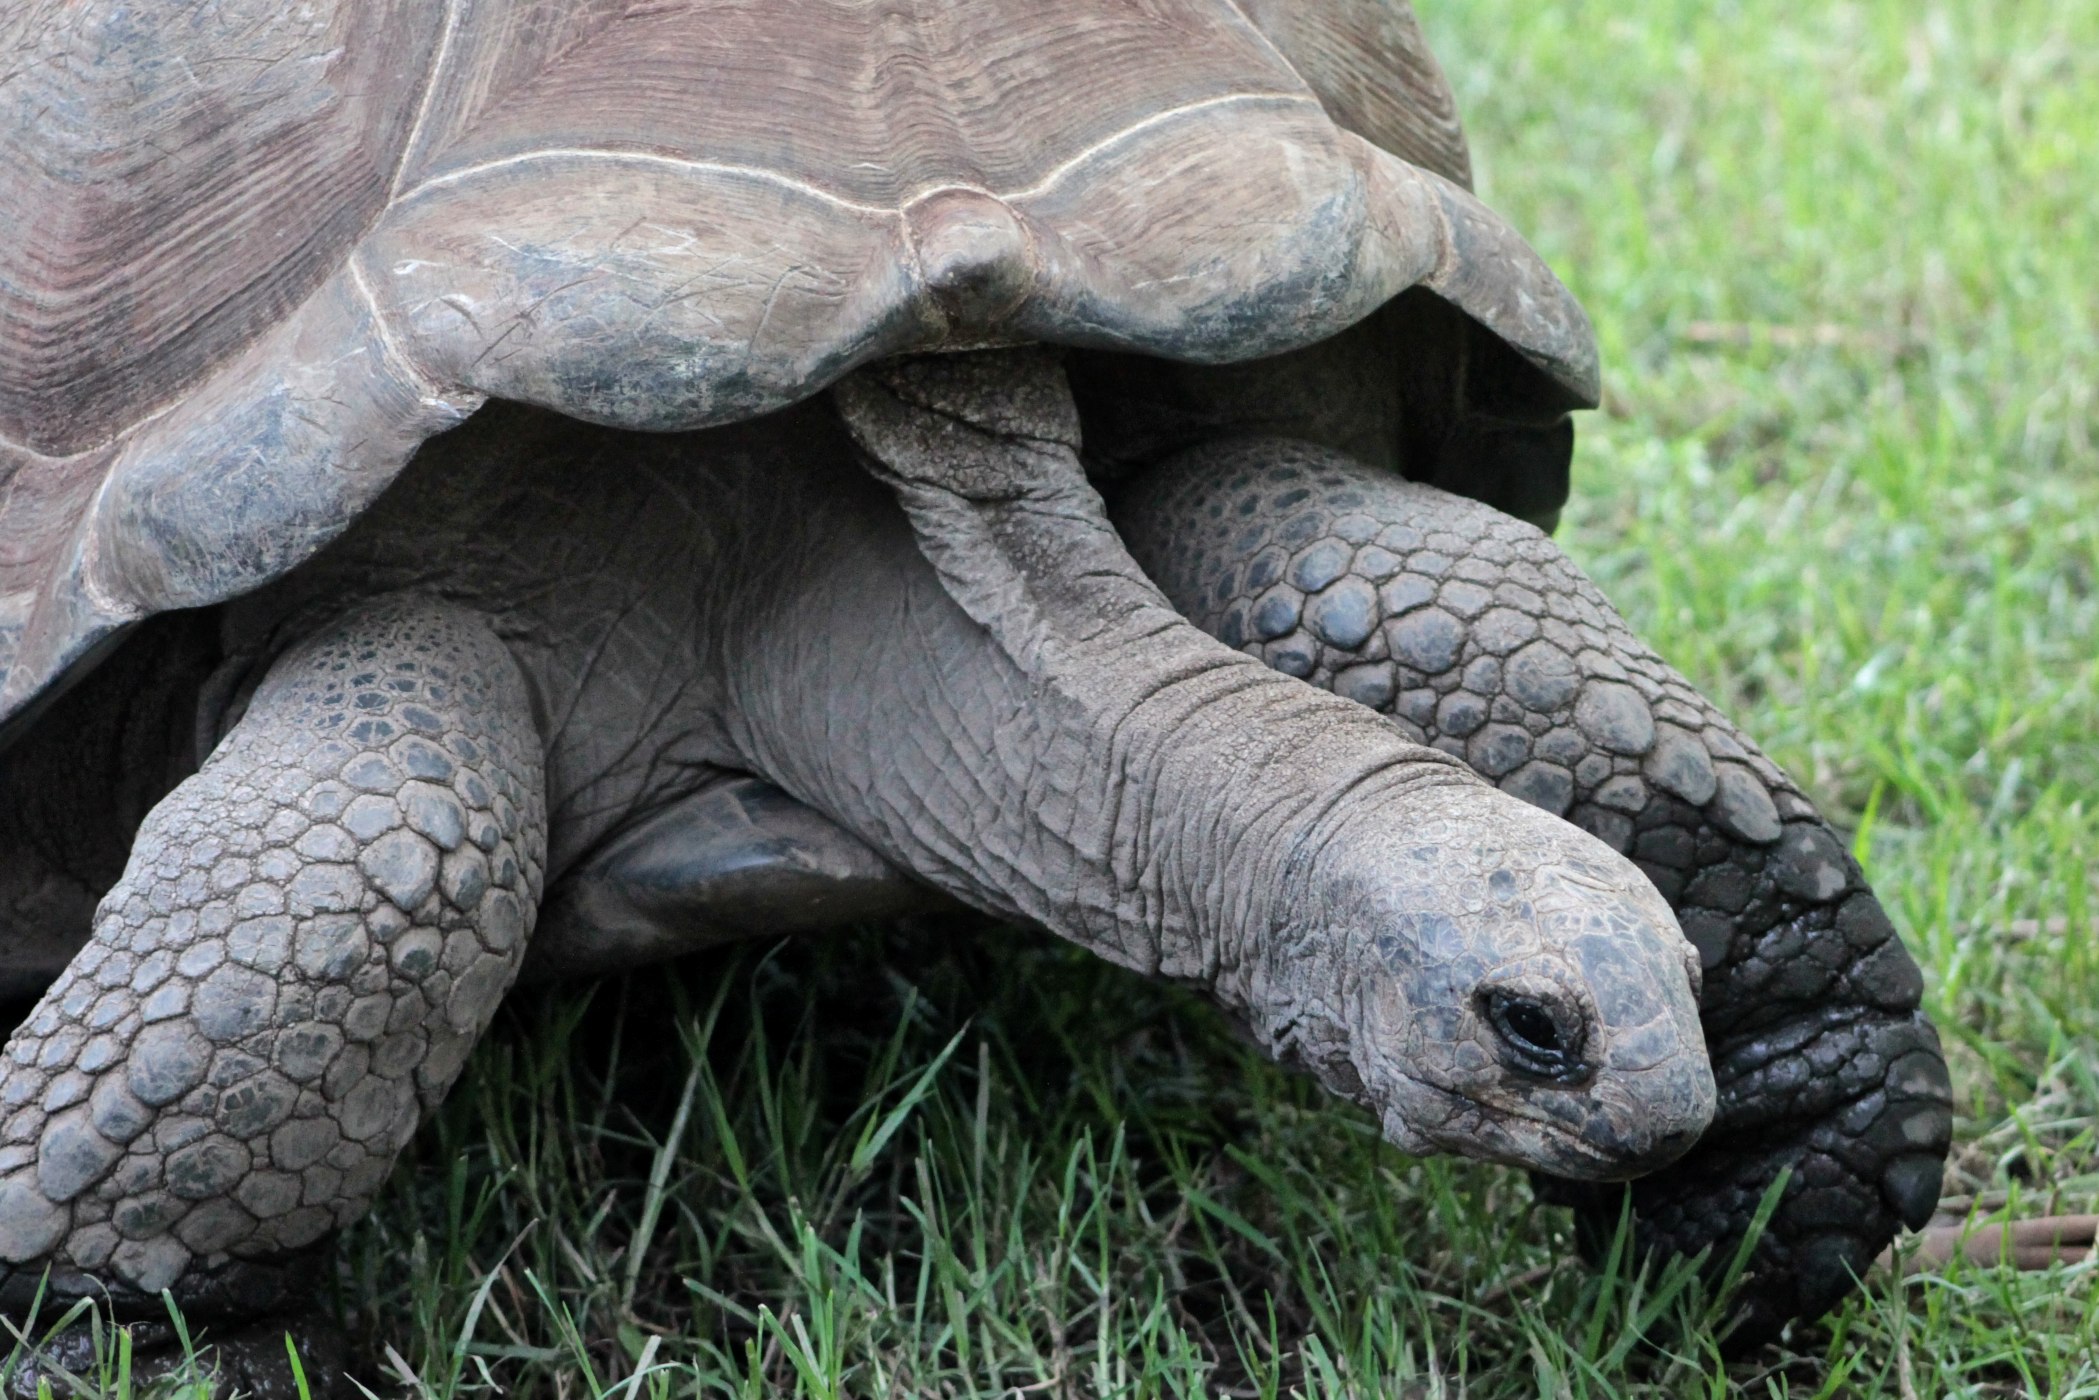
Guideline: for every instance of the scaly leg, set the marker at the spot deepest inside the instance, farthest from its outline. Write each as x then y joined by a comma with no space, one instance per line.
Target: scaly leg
310,935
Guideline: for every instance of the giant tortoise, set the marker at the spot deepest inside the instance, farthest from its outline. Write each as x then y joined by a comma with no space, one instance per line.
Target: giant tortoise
490,487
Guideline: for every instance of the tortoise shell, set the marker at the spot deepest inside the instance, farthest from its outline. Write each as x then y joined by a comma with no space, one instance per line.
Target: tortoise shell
262,253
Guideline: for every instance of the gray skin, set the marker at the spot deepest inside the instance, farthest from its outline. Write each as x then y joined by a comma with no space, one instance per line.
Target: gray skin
548,636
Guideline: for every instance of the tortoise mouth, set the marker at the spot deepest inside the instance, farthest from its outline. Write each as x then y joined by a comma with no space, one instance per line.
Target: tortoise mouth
1609,1129
1605,1149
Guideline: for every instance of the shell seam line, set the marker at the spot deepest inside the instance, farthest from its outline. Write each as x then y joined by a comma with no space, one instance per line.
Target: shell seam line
100,444
1058,172
429,99
1262,37
386,332
1443,119
1064,168
9,444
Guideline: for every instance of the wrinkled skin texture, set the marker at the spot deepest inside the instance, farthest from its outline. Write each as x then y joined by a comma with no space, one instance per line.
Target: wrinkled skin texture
1203,735
549,634
1481,639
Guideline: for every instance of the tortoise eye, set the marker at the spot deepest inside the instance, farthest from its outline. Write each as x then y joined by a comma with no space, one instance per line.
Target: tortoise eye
1527,1023
1536,1037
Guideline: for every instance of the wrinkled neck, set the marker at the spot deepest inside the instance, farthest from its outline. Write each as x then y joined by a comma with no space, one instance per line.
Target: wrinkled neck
999,701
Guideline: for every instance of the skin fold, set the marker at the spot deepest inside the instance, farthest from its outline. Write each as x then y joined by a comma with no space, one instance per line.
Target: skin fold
1479,638
904,608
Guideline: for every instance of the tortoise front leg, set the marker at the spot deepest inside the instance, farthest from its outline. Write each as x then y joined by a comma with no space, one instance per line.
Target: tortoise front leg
1475,633
309,936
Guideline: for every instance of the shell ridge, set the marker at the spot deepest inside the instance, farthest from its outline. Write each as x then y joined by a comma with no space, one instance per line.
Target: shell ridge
456,115
1447,255
466,174
413,145
383,328
85,555
116,438
68,581
1063,168
1403,103
1260,36
154,152
1046,183
1482,267
8,444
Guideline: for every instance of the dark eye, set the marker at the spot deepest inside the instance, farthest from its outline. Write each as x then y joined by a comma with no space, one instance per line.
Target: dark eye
1534,1038
1527,1023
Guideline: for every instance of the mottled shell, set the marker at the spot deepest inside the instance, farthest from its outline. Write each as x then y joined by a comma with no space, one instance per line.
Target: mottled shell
260,251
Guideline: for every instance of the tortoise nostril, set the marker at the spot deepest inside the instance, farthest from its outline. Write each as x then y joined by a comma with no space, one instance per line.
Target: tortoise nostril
1537,1037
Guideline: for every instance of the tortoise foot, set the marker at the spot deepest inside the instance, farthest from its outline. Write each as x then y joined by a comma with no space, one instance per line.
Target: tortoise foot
1854,1112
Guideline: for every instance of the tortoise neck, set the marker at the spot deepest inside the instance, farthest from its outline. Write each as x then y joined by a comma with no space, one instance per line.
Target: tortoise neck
1073,754
1027,723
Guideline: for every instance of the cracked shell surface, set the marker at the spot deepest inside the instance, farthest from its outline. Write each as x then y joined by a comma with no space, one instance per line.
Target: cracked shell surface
530,204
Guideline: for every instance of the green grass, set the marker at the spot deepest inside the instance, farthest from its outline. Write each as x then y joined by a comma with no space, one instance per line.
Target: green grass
1842,260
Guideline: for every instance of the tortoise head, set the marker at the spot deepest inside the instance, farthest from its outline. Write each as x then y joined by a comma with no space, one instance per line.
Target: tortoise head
1493,982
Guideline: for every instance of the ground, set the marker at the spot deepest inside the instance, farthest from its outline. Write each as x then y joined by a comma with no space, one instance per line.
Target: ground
1842,260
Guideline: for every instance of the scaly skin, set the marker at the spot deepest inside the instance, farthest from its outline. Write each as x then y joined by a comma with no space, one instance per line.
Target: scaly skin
310,935
1480,638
